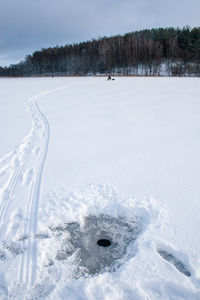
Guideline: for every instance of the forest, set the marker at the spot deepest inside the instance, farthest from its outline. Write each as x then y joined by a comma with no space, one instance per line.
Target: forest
151,52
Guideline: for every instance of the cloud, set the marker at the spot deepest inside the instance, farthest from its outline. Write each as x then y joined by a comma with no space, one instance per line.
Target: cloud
27,25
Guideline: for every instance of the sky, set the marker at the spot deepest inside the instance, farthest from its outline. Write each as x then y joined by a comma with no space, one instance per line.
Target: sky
30,25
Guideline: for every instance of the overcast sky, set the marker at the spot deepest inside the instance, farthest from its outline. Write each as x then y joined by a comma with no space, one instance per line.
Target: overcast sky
29,25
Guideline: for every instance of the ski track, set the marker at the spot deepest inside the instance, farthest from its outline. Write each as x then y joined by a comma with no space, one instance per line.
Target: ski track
17,194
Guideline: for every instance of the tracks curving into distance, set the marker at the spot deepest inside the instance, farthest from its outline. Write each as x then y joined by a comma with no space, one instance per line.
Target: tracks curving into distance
20,182
20,192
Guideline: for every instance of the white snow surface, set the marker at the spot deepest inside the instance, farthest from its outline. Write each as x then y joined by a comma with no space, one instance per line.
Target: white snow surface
75,147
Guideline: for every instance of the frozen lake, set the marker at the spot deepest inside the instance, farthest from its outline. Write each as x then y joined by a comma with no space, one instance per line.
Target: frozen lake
79,149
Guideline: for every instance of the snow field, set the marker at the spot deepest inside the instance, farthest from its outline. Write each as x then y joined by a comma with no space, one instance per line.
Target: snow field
100,148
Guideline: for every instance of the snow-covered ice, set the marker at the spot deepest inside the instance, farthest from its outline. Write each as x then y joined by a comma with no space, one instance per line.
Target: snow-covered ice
114,160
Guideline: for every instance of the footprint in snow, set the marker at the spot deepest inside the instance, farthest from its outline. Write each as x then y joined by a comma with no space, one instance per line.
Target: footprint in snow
178,264
9,250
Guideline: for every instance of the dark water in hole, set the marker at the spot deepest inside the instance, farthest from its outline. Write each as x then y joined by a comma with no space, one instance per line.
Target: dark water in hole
104,243
99,245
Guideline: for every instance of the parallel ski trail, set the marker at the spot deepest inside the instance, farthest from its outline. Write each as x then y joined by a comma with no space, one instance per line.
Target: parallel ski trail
28,261
26,197
27,270
19,196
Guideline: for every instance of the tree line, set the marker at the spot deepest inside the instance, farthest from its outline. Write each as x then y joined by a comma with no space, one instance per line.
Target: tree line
161,51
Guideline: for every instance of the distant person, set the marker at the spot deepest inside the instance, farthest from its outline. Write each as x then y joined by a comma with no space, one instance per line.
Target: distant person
109,77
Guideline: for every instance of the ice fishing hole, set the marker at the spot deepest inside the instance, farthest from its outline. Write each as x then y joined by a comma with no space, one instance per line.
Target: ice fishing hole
104,243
